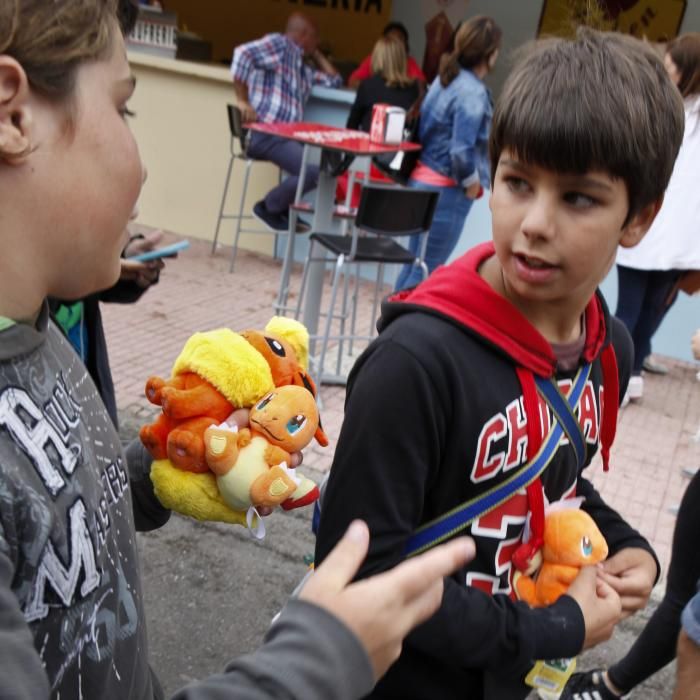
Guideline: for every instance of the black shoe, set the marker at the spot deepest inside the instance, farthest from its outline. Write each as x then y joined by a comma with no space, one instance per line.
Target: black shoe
588,686
275,222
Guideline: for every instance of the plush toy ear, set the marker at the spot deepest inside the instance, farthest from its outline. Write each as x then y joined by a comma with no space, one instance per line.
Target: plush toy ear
295,334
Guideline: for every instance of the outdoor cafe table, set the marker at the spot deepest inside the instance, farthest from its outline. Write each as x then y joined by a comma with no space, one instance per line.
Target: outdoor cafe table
331,140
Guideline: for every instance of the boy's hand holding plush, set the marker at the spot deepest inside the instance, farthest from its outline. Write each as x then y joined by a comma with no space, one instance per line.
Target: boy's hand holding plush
632,573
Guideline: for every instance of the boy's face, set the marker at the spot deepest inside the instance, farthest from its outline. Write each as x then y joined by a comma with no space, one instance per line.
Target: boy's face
556,235
90,175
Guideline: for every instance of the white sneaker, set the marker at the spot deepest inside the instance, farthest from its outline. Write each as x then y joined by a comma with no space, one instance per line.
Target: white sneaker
635,388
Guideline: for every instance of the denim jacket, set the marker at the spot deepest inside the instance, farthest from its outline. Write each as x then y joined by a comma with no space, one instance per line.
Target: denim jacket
454,129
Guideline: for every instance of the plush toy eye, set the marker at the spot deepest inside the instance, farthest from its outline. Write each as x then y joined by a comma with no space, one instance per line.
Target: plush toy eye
275,346
295,424
586,546
264,401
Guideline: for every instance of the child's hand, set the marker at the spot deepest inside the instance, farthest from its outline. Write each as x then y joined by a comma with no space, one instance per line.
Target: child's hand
143,273
599,603
631,572
383,609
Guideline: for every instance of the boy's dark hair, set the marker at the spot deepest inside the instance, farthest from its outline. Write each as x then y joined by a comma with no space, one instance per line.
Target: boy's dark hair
127,14
601,101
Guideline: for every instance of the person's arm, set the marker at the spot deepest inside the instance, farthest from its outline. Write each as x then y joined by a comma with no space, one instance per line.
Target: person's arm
632,567
688,652
22,674
338,639
362,72
135,277
261,54
149,513
468,121
326,73
388,455
248,113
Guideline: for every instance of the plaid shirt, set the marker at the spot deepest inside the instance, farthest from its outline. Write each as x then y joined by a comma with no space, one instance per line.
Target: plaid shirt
278,80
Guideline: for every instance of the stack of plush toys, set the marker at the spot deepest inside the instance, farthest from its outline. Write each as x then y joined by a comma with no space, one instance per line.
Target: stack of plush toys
204,465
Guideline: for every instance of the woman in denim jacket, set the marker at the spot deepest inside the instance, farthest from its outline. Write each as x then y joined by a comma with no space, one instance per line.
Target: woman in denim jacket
455,121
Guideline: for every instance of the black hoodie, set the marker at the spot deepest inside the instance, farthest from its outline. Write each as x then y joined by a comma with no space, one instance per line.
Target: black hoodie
440,408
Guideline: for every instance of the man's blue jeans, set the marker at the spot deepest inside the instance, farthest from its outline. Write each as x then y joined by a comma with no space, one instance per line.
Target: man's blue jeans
448,221
287,154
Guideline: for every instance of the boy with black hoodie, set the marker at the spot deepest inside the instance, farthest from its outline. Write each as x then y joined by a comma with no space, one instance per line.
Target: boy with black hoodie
453,401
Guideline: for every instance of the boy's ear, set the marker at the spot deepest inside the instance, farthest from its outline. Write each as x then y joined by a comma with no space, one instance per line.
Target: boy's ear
640,223
15,113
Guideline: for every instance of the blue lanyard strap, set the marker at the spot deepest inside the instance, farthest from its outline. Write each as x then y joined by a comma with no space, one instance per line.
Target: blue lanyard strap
452,522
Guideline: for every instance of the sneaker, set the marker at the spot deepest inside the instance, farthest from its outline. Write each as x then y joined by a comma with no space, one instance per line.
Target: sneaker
635,388
588,686
653,366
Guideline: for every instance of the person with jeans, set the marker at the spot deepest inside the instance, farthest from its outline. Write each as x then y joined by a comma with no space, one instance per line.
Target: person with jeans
648,273
455,121
272,81
656,645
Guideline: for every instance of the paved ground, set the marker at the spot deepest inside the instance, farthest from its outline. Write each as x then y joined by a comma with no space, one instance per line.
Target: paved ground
211,590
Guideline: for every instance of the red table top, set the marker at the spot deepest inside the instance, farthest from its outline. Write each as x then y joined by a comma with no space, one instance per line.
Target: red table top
331,137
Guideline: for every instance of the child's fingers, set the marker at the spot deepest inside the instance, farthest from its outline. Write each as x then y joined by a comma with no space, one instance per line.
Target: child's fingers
343,562
604,589
415,577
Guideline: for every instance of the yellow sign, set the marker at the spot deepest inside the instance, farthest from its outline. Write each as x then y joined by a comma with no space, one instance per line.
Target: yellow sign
655,20
347,28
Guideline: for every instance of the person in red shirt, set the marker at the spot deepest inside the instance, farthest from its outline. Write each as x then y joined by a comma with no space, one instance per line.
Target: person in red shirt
364,70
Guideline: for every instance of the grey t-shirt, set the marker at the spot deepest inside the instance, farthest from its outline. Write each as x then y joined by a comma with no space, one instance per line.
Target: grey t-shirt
71,616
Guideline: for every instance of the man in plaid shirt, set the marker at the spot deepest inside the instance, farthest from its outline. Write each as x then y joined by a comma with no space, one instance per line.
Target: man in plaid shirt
272,82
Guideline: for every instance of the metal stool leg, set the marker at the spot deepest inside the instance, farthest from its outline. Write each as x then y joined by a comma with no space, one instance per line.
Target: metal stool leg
223,202
329,320
375,304
304,276
343,317
355,294
248,163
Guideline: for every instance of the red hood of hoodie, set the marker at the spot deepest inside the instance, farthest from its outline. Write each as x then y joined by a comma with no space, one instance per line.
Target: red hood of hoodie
460,293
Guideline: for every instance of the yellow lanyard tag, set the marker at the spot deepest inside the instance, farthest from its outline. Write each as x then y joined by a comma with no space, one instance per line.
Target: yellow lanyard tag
551,676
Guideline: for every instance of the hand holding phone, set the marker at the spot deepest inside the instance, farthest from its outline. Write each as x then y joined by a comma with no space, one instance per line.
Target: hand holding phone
167,251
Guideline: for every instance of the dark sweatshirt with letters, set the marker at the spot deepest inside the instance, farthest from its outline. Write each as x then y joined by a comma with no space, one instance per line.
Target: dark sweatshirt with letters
440,408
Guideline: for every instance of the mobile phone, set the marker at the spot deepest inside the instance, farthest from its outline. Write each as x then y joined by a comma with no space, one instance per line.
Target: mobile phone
165,252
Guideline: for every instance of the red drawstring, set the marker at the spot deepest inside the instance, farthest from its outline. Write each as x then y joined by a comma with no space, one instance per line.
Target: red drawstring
611,398
524,554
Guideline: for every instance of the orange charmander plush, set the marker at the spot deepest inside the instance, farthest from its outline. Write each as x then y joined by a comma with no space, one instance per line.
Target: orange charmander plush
571,540
252,465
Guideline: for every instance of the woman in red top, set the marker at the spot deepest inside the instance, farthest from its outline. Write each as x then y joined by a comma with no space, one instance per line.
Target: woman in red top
393,30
